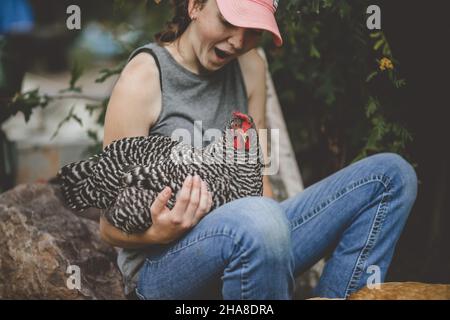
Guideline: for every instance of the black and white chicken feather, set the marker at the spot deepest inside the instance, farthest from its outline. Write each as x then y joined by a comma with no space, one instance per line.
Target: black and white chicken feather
128,175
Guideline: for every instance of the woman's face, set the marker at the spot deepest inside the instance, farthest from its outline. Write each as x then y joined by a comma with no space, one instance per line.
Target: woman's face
215,41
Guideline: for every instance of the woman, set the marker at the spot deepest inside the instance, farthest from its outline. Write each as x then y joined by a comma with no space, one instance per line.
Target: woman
203,67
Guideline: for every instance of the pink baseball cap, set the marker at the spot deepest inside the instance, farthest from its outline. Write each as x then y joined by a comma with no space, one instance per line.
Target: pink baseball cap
259,14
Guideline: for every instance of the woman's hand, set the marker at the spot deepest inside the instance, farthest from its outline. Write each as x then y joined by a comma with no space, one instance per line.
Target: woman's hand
192,204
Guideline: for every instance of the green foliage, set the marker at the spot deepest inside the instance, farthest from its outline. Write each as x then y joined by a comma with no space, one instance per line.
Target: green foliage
339,104
24,103
75,74
68,118
143,17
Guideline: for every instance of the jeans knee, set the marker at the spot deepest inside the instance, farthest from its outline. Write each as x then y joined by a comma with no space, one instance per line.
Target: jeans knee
401,171
262,222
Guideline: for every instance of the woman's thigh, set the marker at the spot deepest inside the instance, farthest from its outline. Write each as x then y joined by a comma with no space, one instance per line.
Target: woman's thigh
193,267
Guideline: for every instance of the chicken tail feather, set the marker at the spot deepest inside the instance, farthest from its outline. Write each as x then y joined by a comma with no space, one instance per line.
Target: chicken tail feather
77,185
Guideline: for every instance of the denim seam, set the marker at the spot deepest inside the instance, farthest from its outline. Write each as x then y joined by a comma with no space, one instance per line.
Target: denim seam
383,179
370,243
244,279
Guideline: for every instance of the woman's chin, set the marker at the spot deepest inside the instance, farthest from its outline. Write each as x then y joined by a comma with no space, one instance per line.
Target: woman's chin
216,64
212,66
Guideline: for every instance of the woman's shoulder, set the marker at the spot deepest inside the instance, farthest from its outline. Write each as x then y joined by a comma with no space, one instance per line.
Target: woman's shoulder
141,69
139,81
135,101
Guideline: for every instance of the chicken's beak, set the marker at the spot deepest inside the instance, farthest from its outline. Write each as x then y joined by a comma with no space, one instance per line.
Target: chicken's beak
241,139
241,132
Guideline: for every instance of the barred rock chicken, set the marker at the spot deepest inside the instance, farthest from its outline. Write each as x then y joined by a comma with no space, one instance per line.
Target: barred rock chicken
128,175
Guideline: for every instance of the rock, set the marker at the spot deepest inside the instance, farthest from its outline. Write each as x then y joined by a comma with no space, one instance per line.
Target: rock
40,238
400,291
404,291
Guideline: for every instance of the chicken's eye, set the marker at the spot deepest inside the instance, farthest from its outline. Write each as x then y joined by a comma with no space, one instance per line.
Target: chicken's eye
236,124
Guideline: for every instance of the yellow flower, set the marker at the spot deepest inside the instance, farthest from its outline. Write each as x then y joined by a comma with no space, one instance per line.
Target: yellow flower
385,63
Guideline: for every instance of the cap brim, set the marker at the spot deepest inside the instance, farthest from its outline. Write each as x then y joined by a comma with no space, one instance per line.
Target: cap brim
249,14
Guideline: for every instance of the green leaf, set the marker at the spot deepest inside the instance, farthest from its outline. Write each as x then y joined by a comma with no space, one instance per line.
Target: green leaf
92,135
375,35
371,107
371,76
399,83
77,119
69,116
107,73
378,44
313,52
75,74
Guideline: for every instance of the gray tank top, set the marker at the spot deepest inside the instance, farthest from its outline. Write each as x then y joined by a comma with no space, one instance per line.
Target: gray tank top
193,103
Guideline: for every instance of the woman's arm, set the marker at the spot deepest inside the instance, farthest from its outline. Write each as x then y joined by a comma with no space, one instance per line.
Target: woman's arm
133,108
117,238
254,71
192,204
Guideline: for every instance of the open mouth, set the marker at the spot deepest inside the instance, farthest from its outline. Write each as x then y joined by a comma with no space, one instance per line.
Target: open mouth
221,54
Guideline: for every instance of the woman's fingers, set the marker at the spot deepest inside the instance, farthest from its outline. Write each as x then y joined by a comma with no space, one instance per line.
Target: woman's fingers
159,204
195,197
193,202
202,208
183,198
184,194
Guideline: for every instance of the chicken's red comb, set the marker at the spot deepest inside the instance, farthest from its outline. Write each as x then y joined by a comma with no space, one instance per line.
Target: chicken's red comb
240,115
247,122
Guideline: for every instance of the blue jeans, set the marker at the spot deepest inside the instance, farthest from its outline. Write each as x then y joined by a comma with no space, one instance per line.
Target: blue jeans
256,247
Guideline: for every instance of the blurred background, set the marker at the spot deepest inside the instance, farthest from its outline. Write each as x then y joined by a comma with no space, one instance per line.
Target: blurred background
346,92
